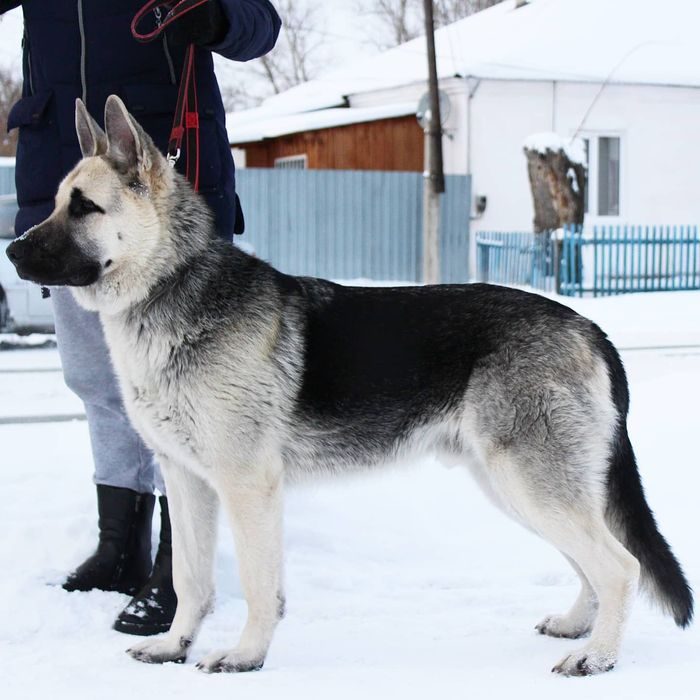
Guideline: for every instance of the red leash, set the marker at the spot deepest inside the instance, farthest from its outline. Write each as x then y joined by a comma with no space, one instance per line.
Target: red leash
186,121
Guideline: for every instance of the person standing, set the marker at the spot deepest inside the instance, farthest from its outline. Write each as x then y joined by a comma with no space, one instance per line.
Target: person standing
84,48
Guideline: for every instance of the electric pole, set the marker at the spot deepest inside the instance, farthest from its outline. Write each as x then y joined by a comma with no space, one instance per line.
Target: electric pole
434,179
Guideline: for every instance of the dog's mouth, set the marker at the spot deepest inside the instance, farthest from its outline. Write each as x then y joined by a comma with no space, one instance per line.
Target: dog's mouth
79,277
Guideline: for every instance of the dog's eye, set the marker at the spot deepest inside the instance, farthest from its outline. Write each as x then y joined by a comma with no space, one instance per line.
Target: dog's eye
81,206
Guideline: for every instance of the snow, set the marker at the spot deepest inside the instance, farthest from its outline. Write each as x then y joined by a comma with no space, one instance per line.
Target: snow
256,125
549,141
404,584
562,40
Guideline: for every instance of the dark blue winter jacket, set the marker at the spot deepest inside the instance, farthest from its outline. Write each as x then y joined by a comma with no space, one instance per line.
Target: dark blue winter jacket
84,48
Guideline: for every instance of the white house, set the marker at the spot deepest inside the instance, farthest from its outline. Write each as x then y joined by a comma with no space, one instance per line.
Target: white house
622,74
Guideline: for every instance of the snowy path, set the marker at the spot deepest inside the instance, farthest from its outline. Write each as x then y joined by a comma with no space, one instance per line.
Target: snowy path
406,585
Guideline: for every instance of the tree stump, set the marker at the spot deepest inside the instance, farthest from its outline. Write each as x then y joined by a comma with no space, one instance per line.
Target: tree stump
557,173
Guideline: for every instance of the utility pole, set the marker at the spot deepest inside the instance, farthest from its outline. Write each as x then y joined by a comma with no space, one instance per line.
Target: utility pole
434,179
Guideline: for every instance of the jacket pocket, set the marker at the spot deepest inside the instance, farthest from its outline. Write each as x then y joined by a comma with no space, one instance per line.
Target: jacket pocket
29,110
39,167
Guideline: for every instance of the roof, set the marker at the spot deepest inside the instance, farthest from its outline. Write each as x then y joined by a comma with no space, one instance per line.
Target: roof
252,125
619,41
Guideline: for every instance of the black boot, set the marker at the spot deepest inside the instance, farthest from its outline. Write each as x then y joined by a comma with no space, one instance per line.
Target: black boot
152,610
122,561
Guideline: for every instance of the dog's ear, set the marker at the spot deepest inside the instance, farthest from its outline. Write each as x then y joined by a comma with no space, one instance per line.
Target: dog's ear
128,144
92,140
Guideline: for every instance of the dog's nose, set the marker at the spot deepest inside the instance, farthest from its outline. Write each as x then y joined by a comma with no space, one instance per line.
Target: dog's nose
15,251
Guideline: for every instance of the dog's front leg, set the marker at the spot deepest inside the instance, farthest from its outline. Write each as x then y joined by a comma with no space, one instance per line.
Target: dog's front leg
254,506
193,514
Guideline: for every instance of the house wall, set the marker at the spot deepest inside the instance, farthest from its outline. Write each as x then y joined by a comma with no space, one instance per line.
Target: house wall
488,123
660,146
455,141
484,136
385,144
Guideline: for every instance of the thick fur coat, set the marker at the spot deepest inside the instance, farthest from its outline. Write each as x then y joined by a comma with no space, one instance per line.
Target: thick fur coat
241,378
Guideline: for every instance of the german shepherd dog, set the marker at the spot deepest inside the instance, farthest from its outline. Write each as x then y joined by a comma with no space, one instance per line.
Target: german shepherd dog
241,378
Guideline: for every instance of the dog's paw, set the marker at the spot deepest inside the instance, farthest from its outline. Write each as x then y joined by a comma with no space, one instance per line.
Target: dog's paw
585,663
562,626
230,661
161,651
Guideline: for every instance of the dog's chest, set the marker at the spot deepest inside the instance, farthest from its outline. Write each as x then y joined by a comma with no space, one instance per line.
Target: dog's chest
157,394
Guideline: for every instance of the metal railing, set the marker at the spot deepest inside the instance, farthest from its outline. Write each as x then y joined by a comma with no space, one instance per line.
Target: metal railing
600,261
621,259
517,258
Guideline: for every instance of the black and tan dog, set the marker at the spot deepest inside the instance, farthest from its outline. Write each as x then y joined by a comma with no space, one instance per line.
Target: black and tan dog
241,378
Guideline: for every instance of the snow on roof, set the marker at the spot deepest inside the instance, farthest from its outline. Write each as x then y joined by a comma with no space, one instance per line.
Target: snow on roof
256,124
621,41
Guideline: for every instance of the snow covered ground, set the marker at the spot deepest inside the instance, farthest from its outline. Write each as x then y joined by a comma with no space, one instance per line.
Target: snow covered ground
406,585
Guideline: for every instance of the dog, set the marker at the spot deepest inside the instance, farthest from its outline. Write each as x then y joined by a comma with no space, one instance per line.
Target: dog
241,379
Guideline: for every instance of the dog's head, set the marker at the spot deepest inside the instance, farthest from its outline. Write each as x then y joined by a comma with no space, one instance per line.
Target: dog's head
108,222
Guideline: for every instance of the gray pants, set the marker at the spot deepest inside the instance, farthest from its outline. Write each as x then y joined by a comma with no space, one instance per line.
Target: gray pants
121,458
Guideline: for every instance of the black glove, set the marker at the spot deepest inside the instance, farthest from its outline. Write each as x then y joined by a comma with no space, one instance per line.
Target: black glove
203,26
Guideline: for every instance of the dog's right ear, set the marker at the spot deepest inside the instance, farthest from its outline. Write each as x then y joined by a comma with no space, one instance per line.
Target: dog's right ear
91,138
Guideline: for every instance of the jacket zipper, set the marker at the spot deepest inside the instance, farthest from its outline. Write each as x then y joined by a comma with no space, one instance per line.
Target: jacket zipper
166,48
83,77
81,26
28,55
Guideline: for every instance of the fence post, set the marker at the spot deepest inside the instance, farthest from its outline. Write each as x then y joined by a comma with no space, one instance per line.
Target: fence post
557,250
482,261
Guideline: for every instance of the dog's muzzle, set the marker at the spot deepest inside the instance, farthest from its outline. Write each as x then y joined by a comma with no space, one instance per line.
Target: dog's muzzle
52,261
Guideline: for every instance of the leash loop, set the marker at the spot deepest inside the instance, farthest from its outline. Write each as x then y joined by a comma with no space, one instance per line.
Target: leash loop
186,119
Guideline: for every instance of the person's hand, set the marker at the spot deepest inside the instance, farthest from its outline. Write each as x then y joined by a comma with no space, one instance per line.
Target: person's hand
203,26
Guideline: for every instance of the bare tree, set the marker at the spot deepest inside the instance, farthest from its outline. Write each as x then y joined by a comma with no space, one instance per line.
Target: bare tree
400,21
449,11
10,92
293,60
296,58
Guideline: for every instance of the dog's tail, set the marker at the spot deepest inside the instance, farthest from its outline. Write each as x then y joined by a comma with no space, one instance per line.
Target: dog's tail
631,520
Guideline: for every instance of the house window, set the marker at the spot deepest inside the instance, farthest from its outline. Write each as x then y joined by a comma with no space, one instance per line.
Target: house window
608,176
602,196
292,162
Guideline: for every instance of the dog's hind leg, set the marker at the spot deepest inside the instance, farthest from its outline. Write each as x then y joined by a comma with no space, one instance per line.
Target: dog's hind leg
569,513
578,621
613,573
254,506
193,514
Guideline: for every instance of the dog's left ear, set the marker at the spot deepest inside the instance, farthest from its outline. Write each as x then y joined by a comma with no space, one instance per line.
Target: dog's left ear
128,144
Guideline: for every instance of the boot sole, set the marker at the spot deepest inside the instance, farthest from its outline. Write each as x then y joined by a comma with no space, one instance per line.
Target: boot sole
140,630
130,590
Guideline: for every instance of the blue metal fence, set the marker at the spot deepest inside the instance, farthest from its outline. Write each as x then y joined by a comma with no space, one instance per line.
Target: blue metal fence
7,176
345,224
621,259
517,258
352,224
602,261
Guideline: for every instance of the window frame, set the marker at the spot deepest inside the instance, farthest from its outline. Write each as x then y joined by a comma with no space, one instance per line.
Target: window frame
281,163
593,172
